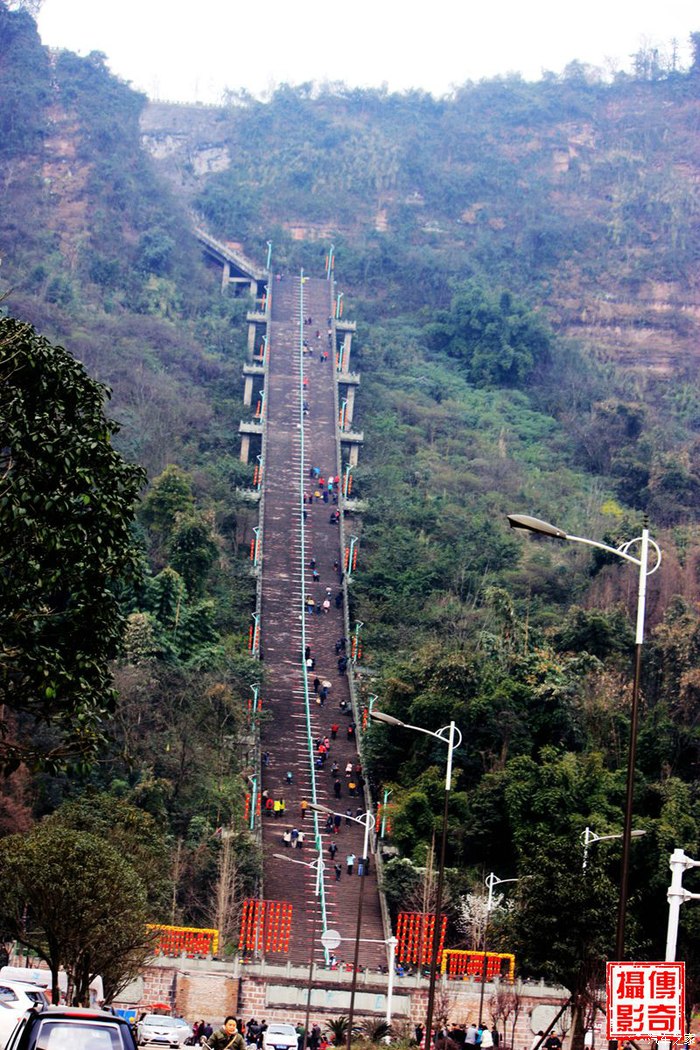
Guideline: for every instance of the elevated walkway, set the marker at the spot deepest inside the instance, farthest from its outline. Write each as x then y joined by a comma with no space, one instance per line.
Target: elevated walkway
236,268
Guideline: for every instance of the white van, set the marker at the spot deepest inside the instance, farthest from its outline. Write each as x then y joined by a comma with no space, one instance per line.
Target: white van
15,998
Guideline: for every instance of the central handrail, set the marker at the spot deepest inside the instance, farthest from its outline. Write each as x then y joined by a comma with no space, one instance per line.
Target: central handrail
305,677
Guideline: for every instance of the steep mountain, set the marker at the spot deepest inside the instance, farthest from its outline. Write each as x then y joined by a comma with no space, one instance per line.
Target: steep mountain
524,262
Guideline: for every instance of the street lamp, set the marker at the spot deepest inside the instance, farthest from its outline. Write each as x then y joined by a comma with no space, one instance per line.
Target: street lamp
385,803
368,823
335,939
491,881
355,644
318,866
543,528
451,736
253,800
588,837
352,556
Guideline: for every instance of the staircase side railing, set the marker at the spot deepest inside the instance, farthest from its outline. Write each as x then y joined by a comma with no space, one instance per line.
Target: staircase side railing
354,700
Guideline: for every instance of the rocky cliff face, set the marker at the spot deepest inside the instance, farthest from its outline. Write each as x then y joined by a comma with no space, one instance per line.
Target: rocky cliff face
605,210
187,142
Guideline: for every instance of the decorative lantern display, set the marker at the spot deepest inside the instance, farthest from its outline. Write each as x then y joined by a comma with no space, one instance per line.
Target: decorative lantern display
192,940
265,925
459,963
414,933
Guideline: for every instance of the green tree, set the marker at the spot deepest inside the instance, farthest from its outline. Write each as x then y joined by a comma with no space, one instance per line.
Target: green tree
562,925
499,340
595,632
66,505
23,115
74,900
169,495
192,550
131,831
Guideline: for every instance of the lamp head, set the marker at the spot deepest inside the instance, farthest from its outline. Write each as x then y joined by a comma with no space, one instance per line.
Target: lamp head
526,523
389,720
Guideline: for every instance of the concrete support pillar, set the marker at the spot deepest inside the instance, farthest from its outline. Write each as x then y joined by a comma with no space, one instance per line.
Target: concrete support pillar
350,406
245,447
225,276
253,289
353,455
347,343
252,328
248,392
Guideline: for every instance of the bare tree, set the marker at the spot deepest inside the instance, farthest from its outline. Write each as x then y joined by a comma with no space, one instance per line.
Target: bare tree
504,1003
228,893
444,1004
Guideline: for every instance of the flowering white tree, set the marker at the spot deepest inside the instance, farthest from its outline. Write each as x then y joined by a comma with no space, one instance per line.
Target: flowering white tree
473,916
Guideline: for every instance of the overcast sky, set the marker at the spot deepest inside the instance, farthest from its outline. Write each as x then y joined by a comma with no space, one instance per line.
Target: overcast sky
193,51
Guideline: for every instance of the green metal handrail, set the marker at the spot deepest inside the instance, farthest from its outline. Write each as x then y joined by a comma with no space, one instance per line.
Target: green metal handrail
305,677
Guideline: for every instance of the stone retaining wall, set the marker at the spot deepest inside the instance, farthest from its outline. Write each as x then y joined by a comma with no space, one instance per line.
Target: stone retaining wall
210,989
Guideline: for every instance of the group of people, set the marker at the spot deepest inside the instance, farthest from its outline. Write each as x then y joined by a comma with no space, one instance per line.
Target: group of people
311,605
324,484
273,807
200,1030
315,1039
293,838
459,1036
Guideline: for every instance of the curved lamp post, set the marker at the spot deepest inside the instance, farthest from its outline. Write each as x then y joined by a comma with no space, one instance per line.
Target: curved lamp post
368,822
588,837
451,736
543,528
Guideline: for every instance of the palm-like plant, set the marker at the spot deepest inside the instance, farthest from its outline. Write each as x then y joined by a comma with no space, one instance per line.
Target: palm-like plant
375,1031
338,1029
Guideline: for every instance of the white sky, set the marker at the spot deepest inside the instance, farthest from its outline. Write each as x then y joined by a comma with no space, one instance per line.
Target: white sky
192,51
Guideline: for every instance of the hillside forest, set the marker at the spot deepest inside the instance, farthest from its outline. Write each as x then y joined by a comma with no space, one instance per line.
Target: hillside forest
523,262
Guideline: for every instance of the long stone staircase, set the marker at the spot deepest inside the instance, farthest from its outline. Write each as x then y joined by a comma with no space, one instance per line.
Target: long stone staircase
293,533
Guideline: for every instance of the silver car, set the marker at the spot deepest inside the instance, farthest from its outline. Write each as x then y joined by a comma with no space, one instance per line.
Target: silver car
161,1030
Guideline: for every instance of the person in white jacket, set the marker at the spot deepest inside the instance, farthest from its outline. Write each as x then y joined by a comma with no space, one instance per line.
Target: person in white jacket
486,1041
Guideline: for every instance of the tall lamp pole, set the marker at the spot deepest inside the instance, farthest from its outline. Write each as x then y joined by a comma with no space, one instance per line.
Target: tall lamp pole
316,866
543,528
491,881
451,736
368,822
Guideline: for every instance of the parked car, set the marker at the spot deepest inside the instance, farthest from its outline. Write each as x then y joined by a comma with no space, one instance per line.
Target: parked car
16,997
161,1030
280,1036
69,1028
